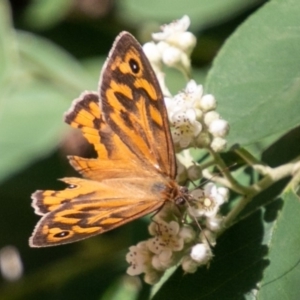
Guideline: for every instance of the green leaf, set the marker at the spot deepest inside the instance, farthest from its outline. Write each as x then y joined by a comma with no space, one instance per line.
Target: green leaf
258,258
8,53
93,66
201,12
40,89
47,60
255,77
125,288
42,14
169,272
281,278
31,125
256,149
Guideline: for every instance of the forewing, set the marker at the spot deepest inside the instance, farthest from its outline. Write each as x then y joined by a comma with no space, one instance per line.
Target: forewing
133,105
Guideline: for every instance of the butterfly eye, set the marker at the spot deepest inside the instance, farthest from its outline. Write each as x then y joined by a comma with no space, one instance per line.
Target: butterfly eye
180,201
135,68
62,234
184,189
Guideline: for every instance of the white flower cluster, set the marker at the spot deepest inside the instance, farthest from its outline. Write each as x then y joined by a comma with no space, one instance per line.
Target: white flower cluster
192,114
194,120
176,241
183,235
173,48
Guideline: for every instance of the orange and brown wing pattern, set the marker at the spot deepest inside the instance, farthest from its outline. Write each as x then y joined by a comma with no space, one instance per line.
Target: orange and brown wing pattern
86,115
133,174
50,200
133,105
80,220
114,157
88,208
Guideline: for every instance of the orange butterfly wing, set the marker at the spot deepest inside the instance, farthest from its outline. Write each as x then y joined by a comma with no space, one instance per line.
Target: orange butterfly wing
114,158
133,105
89,207
135,169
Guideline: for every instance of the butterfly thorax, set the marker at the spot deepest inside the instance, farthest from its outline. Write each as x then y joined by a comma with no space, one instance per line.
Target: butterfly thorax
170,191
159,189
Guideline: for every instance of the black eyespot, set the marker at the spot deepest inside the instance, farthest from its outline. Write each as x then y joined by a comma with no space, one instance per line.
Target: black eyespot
62,234
135,68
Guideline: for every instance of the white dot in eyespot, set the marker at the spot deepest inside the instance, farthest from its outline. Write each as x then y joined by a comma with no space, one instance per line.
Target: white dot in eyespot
72,186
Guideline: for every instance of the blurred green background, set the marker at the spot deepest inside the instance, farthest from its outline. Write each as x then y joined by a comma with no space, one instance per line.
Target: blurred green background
51,51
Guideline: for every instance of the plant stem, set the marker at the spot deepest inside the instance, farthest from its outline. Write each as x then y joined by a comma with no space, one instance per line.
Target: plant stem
232,183
273,175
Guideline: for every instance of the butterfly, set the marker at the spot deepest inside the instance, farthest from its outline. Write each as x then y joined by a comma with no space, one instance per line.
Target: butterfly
135,169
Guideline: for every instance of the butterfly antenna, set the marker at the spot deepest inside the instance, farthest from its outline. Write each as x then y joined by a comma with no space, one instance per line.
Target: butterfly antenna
193,183
197,222
212,176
